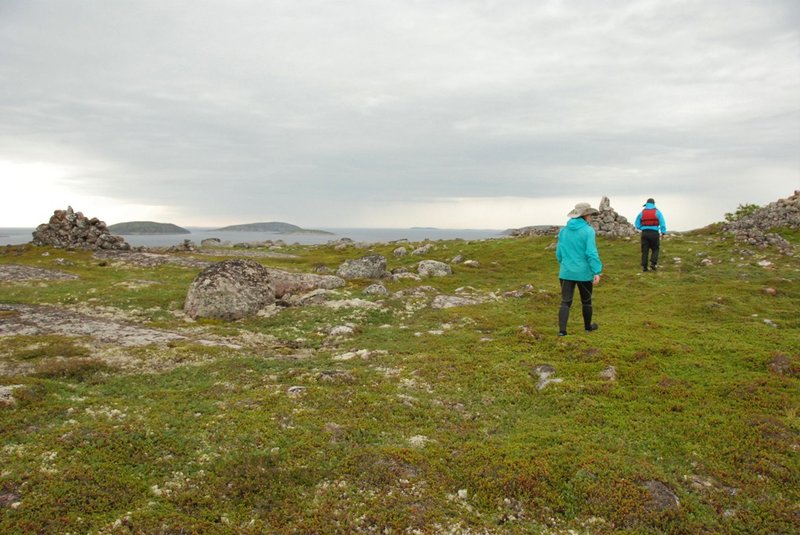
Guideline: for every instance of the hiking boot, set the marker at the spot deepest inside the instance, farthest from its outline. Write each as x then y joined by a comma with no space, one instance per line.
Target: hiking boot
644,268
653,268
592,327
562,333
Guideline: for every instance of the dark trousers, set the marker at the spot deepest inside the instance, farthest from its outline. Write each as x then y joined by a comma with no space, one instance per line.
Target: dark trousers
651,241
567,293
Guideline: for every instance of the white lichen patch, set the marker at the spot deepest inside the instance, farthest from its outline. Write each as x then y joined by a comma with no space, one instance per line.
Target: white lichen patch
178,481
418,441
106,412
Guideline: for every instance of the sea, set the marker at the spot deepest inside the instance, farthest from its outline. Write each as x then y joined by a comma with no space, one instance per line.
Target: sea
16,236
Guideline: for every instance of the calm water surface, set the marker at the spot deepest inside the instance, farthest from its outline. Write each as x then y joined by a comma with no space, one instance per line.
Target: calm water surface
14,236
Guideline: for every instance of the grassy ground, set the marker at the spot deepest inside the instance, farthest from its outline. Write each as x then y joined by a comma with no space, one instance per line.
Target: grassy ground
439,427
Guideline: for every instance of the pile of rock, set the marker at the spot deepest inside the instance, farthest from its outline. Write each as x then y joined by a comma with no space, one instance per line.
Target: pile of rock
535,230
755,228
72,230
609,223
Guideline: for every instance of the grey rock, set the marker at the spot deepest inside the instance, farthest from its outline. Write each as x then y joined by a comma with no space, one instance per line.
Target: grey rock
376,289
434,268
230,290
6,397
367,267
545,373
400,251
314,297
211,242
450,301
535,230
755,229
610,373
425,249
188,246
287,282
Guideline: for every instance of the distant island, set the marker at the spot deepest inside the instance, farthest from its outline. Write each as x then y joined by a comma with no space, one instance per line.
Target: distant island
146,227
273,226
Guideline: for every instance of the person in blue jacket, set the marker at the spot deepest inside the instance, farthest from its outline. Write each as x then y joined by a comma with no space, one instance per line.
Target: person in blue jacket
651,222
580,265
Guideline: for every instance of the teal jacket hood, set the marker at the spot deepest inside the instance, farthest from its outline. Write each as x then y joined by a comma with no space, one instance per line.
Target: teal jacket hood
577,251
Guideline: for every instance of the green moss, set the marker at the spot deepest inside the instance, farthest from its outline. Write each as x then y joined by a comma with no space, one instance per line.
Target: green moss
282,437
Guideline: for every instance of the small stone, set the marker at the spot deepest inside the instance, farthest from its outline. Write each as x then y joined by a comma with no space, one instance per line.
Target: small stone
610,373
545,372
662,498
9,499
707,262
376,289
770,291
342,330
782,365
764,263
770,323
295,390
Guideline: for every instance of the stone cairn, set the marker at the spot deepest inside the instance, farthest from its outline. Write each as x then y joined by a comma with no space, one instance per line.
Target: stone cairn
72,230
609,223
755,228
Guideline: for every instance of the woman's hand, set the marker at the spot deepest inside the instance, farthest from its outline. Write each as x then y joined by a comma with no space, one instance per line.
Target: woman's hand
596,279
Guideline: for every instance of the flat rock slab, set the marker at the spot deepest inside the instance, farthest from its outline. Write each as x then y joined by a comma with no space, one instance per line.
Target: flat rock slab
144,259
247,253
15,272
32,320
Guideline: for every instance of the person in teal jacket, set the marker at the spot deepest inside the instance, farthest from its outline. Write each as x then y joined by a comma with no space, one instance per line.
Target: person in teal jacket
650,221
580,265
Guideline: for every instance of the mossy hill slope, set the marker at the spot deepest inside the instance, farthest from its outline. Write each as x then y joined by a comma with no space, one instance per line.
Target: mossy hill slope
146,227
397,417
272,226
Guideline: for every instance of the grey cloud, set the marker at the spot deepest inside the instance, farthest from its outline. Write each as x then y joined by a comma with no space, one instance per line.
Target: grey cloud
285,101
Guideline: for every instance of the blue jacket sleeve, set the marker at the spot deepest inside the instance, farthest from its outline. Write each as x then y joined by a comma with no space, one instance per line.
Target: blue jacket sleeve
638,223
662,223
559,254
593,256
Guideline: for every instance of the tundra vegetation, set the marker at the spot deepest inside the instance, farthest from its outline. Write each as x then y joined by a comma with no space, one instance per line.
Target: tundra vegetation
681,414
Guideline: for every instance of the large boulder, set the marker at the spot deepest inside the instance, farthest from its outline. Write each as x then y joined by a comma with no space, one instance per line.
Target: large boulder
367,267
230,290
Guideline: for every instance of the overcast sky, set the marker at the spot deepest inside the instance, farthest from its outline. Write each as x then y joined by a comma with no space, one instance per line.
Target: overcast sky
389,113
